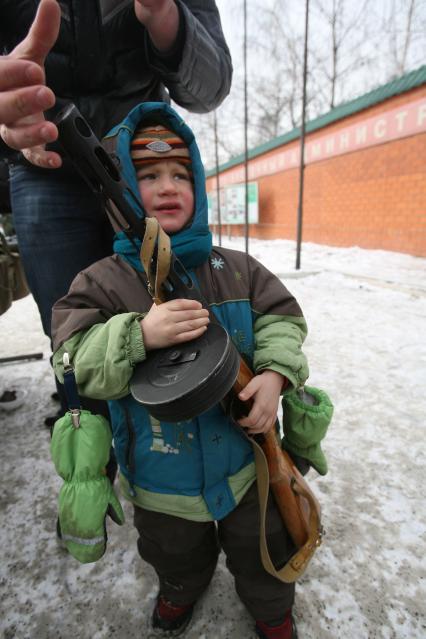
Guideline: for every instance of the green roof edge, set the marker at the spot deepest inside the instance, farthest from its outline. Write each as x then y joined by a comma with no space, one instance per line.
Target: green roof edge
404,83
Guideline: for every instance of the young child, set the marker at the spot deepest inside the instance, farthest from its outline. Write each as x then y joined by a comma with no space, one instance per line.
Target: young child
183,477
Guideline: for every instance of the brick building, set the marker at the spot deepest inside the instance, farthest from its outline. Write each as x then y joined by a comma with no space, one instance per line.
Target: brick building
365,173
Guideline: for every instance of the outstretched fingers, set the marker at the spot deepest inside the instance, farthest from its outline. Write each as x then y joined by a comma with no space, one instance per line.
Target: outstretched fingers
19,73
21,90
31,137
42,34
21,103
38,156
23,96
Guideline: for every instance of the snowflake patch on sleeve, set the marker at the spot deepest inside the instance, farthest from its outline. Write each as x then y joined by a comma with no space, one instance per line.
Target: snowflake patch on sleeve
217,263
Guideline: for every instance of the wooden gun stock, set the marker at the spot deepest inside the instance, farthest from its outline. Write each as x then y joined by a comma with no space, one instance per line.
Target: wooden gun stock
296,503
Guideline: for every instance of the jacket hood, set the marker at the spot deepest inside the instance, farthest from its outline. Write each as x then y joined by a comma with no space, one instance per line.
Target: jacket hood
191,245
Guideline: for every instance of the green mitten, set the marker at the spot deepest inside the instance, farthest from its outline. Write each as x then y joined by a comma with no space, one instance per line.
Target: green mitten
87,496
306,417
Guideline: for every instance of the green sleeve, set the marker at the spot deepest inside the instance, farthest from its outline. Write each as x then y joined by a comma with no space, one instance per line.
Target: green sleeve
104,356
278,346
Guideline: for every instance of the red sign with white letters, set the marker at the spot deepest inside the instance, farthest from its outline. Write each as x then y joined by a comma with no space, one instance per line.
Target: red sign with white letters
405,120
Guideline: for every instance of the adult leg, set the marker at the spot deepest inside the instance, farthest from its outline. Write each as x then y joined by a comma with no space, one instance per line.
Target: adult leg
61,229
265,597
182,552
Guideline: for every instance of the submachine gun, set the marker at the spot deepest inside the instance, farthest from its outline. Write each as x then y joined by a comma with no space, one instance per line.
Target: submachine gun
181,382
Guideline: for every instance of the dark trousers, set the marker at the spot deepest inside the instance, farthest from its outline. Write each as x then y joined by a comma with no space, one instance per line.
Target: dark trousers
184,555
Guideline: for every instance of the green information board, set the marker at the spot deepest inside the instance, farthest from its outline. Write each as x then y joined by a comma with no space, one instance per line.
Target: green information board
232,204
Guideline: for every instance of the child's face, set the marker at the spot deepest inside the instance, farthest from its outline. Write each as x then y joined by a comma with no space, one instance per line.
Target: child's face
167,194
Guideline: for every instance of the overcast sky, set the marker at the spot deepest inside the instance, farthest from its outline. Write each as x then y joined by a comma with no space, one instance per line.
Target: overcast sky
232,19
377,49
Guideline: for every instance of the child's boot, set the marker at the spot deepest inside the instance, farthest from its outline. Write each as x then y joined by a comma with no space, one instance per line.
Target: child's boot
170,620
285,630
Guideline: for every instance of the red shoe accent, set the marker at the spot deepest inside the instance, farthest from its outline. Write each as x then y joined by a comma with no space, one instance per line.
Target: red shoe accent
166,610
283,631
170,620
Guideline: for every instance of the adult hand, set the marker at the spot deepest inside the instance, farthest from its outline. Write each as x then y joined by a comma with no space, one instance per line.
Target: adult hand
23,94
173,322
264,389
161,18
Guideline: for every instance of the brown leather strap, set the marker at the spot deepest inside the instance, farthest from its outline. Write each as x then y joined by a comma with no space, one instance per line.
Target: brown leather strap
148,246
297,564
116,219
164,254
156,273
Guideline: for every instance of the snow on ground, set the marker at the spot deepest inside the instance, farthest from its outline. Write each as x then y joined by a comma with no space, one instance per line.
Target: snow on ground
366,311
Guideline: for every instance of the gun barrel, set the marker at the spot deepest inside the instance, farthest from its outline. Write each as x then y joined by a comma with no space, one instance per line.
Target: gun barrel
97,167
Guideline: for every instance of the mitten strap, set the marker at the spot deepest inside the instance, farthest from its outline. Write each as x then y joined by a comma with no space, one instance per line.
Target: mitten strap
71,392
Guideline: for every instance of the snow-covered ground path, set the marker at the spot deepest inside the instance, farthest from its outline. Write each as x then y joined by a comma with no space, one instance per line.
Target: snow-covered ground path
366,311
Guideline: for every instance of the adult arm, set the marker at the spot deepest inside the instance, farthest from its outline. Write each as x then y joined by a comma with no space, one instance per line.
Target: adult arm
198,73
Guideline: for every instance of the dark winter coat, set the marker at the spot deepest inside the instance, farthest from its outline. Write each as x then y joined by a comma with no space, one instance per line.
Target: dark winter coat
105,63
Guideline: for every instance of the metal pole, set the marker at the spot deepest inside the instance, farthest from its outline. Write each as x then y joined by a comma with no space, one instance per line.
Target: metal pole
302,142
216,150
246,217
20,358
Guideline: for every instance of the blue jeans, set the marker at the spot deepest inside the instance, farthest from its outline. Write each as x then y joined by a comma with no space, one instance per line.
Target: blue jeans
61,229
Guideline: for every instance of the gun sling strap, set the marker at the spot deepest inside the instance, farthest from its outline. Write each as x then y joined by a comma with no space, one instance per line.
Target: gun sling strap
296,565
155,239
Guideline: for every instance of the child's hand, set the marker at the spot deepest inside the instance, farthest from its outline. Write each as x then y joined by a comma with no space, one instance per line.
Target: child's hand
173,322
264,389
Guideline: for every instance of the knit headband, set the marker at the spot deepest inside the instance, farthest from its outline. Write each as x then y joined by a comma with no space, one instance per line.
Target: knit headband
155,143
